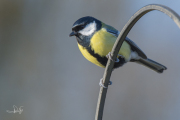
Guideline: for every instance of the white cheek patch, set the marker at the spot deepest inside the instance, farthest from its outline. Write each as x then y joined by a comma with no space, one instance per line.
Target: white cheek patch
89,29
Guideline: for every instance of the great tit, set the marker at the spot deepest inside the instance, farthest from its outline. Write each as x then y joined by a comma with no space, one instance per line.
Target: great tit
95,40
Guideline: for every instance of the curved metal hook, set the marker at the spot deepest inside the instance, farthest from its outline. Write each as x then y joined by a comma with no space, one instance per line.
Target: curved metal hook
108,70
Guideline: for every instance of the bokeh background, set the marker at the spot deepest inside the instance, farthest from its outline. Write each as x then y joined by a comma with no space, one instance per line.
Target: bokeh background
42,69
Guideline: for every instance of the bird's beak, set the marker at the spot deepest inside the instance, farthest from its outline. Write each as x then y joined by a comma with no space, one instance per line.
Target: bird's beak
72,34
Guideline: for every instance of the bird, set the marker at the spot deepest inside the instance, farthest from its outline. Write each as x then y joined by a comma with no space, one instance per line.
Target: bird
95,40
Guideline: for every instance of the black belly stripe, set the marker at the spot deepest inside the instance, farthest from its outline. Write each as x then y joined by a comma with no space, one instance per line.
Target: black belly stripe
120,63
103,60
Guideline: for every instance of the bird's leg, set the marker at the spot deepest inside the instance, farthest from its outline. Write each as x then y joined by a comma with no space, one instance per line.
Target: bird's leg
101,83
120,56
109,56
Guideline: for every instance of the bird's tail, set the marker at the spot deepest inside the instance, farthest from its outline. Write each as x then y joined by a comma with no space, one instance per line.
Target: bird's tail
152,65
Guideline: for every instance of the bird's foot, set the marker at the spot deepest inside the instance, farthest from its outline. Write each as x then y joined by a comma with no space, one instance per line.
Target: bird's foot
121,56
101,83
110,57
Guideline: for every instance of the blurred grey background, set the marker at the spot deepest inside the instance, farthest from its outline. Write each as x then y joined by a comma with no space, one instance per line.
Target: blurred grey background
42,69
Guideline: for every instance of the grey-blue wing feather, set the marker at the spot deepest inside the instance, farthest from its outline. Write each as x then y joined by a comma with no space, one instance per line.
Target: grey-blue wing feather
113,32
134,47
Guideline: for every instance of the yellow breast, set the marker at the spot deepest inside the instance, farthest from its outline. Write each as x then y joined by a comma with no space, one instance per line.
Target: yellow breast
102,43
88,56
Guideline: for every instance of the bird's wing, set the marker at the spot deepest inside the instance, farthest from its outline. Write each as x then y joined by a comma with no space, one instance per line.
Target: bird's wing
113,32
134,47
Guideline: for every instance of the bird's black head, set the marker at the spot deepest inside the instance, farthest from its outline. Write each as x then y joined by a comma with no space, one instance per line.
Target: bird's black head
84,28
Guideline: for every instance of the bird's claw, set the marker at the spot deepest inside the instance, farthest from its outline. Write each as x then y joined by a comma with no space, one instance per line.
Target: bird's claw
110,57
120,56
110,83
102,85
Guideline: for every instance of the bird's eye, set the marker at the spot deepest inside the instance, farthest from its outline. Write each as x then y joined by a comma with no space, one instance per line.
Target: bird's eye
78,28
